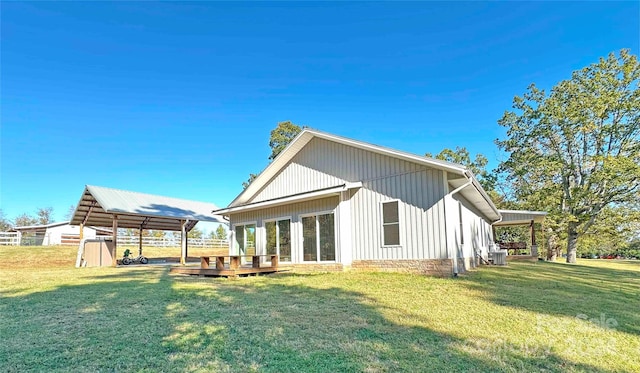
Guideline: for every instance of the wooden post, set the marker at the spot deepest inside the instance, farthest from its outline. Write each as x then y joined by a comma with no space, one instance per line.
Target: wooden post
81,235
533,233
183,242
115,239
204,262
534,247
140,241
219,262
234,262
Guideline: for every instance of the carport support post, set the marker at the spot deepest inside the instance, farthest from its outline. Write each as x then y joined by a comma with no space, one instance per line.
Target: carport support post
183,242
140,241
534,247
115,239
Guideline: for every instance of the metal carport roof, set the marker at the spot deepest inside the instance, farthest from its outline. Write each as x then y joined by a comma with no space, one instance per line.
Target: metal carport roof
98,205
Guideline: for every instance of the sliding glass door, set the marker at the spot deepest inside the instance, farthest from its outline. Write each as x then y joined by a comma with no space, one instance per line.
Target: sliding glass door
279,238
318,238
245,237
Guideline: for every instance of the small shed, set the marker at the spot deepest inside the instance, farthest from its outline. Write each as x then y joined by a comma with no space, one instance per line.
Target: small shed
115,208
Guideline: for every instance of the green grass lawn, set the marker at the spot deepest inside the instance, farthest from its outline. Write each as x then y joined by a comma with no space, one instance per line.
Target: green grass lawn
523,317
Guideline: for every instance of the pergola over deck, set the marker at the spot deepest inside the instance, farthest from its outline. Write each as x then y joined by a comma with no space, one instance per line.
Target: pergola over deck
521,218
107,207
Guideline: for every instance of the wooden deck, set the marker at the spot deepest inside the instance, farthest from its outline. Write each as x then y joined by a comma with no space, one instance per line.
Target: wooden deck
229,266
212,272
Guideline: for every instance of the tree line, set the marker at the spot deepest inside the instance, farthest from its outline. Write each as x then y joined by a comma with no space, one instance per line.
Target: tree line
42,216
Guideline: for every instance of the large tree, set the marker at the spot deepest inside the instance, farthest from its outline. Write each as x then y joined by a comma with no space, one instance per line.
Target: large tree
24,220
576,150
478,165
44,215
280,137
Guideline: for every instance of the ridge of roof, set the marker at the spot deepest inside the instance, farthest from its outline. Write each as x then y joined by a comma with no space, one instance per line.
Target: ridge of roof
307,134
130,192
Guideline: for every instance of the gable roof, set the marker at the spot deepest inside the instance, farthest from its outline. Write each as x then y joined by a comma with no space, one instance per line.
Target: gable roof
135,210
473,192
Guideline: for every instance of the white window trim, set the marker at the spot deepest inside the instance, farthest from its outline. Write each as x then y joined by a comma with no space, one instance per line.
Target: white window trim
264,235
254,223
335,236
400,223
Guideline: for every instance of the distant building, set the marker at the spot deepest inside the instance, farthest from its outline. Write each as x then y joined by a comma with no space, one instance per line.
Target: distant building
61,233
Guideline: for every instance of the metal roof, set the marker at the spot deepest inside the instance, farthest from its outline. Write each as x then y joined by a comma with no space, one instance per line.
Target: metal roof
520,217
98,205
474,193
39,226
44,227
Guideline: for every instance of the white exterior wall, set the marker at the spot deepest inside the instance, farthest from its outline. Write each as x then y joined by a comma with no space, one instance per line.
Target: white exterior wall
476,230
293,212
421,210
323,164
53,235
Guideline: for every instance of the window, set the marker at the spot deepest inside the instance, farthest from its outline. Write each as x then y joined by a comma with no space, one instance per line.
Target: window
279,239
327,238
390,223
309,241
318,238
245,237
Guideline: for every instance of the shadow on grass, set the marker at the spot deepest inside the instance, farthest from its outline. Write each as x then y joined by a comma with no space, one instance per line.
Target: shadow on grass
605,295
138,320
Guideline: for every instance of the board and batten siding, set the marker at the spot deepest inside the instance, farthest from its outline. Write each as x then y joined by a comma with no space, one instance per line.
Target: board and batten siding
324,164
292,211
421,210
476,230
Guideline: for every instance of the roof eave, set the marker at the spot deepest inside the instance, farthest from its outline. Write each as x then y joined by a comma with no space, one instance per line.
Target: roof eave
301,197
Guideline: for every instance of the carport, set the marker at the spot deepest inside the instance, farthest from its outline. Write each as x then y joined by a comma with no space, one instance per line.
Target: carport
107,207
520,218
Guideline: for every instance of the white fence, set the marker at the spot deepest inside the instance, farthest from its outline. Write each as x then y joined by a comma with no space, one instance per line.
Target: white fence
170,242
13,239
9,238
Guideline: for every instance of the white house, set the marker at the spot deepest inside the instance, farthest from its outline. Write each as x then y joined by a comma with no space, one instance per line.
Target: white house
335,203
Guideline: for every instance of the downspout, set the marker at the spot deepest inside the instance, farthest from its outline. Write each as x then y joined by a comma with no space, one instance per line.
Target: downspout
454,261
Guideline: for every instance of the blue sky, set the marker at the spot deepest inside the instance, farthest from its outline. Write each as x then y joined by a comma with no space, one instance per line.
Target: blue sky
178,99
